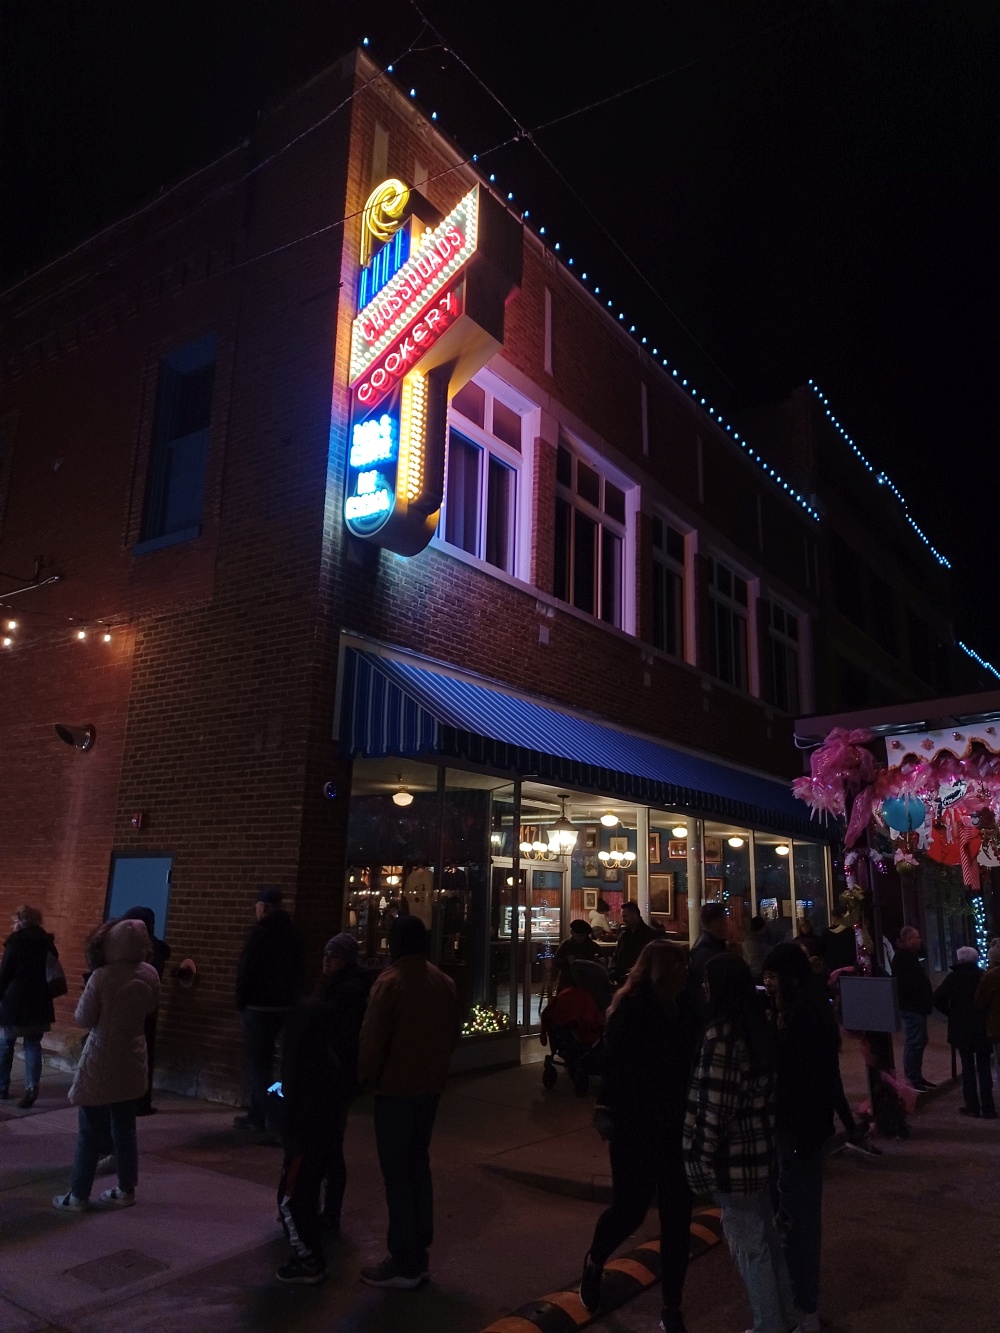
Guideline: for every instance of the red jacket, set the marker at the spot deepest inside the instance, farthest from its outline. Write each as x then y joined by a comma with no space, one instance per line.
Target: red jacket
573,1007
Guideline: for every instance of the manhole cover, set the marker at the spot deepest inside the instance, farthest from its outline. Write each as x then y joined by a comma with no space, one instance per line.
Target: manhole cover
117,1270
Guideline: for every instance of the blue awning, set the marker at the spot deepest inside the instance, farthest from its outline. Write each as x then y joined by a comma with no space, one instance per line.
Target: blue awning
391,706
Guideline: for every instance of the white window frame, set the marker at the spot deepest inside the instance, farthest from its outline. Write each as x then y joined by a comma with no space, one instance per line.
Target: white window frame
779,636
521,464
749,614
581,452
684,570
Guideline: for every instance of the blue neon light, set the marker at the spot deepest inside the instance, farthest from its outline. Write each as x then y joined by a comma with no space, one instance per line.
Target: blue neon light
384,264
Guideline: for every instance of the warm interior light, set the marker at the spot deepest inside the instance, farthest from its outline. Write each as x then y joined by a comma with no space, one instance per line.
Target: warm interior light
562,834
782,849
679,831
736,842
609,820
7,641
403,796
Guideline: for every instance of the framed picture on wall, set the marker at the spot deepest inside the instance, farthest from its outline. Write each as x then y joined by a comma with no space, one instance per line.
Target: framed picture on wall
611,875
590,900
591,867
591,839
677,849
713,848
654,849
661,895
618,844
713,890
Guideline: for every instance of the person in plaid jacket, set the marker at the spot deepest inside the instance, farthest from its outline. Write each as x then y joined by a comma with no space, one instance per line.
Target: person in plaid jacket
729,1135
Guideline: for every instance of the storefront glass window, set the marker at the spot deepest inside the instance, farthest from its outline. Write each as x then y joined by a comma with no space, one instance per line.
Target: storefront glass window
727,874
809,865
774,889
668,883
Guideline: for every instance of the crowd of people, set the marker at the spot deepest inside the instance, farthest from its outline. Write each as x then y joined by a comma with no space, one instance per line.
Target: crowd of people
719,1077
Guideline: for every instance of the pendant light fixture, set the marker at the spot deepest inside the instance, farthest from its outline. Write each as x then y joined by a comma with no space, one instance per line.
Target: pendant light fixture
562,834
402,795
609,820
679,831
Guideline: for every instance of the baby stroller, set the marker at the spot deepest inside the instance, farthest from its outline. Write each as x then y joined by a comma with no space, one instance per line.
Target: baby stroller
574,1023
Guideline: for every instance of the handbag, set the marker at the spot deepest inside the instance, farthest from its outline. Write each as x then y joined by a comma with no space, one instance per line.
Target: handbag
55,977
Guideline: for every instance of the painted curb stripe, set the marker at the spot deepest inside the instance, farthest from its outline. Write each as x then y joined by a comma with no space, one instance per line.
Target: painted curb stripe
625,1278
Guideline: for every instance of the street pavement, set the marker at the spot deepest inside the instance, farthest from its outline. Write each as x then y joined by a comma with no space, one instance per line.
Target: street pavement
912,1238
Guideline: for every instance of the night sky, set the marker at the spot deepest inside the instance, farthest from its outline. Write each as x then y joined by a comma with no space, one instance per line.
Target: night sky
806,189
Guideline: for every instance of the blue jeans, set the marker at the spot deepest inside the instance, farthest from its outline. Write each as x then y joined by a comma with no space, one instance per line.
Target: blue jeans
403,1127
748,1225
799,1219
95,1125
32,1058
260,1036
914,1041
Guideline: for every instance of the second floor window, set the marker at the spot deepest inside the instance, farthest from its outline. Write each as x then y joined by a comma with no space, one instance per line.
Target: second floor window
783,654
176,491
728,638
590,528
668,587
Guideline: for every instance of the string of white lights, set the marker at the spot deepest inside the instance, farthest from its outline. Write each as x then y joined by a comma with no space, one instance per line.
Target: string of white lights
976,658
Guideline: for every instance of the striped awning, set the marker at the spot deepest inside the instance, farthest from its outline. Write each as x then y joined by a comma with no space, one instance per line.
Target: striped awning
393,706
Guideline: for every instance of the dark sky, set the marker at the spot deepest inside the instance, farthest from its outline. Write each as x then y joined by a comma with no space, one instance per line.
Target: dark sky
807,189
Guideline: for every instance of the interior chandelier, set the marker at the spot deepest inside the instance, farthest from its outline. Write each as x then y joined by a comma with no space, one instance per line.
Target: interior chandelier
616,860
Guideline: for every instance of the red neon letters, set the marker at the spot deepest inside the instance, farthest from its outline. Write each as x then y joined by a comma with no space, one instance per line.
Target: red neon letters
407,288
417,339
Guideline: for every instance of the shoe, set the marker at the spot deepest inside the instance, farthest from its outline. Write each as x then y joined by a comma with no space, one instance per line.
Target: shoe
106,1166
967,1110
29,1098
302,1272
122,1198
386,1274
250,1125
69,1203
590,1285
671,1324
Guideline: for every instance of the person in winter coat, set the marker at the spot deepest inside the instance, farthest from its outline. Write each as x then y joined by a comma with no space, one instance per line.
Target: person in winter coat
160,958
111,1075
25,1000
345,993
808,1092
649,1049
312,1094
709,944
988,998
633,937
916,1000
412,1025
956,997
270,977
837,945
729,1135
756,947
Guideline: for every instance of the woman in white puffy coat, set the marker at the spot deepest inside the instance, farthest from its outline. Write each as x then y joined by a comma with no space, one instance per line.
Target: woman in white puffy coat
111,1074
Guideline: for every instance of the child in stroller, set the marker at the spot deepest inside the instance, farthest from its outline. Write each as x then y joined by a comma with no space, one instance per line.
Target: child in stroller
574,1023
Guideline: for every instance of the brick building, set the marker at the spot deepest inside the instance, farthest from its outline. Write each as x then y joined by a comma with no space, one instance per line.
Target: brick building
620,612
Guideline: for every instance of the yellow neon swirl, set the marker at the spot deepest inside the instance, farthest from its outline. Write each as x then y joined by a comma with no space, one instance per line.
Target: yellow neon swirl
382,214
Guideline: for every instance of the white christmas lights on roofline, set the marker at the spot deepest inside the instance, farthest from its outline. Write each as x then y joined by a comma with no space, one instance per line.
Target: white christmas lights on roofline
976,658
880,477
769,472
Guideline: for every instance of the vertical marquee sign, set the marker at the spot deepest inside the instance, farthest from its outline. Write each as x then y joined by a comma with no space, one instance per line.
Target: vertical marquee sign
431,298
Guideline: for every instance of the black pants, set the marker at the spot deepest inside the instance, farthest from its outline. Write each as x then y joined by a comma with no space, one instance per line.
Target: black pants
640,1168
798,1202
403,1127
298,1202
261,1028
976,1070
146,1100
336,1172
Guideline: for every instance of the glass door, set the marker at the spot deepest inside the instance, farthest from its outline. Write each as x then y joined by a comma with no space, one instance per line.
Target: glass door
528,930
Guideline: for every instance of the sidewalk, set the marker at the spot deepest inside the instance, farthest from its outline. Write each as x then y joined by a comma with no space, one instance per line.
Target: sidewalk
199,1249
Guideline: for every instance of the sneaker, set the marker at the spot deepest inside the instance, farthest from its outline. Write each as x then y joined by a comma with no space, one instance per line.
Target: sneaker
122,1198
69,1203
386,1274
968,1110
106,1166
590,1285
29,1098
302,1272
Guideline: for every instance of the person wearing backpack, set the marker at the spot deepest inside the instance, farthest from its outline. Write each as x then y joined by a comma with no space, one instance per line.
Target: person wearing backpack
26,998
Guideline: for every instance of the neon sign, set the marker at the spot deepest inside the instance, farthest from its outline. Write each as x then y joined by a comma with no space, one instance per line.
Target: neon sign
436,260
415,342
372,466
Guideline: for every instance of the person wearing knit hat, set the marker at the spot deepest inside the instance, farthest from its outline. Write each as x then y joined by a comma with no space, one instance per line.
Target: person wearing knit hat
967,1032
988,999
808,1092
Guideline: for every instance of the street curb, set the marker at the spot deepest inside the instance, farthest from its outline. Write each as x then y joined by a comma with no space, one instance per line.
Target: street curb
624,1279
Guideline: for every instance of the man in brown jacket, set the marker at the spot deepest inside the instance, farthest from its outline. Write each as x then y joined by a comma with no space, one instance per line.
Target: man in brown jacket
411,1027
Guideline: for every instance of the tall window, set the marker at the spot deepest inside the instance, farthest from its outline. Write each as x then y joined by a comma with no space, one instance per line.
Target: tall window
668,587
589,538
727,624
176,490
783,654
480,508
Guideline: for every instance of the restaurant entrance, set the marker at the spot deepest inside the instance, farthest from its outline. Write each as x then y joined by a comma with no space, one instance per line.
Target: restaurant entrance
522,952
